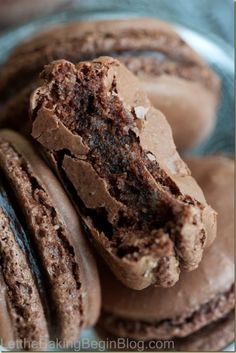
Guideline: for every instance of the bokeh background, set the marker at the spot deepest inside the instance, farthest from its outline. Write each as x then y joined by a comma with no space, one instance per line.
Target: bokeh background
209,16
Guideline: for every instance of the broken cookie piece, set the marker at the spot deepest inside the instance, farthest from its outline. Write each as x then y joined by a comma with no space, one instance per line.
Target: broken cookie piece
115,155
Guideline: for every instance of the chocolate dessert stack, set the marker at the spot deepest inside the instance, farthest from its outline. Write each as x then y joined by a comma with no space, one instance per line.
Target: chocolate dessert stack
97,175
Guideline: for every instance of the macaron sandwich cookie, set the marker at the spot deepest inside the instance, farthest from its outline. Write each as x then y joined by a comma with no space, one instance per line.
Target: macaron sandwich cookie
177,80
198,311
115,154
49,282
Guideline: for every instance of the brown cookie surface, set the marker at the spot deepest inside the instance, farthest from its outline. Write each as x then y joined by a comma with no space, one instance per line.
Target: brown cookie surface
211,338
22,314
215,337
115,153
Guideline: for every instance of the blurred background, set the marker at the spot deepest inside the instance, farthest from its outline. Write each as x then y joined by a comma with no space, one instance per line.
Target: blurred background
209,16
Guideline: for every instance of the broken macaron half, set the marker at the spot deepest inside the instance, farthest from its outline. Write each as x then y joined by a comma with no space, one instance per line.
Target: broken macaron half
115,154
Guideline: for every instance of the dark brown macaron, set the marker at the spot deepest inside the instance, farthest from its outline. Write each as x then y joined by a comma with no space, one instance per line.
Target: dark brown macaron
177,80
115,154
200,305
61,294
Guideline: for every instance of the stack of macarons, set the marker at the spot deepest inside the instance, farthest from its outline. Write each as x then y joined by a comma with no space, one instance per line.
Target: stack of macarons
101,220
49,279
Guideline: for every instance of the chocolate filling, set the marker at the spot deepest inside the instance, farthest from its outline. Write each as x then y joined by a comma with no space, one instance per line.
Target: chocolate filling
181,326
56,255
21,291
151,216
154,64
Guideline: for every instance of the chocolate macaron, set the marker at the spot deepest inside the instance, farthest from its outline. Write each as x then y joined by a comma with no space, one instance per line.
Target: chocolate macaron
115,154
177,80
22,314
49,281
197,311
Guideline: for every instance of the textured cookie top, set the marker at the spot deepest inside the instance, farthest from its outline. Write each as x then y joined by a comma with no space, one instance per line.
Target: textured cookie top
116,155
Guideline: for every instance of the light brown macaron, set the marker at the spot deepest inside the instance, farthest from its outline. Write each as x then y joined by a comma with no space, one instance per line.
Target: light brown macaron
199,306
177,80
49,282
115,153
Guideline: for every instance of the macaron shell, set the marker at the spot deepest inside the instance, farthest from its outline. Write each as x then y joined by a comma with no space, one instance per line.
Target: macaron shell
194,288
116,28
30,56
6,324
89,290
89,276
21,305
213,338
154,137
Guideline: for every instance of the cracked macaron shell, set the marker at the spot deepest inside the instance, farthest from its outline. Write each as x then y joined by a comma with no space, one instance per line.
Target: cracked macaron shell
154,135
15,146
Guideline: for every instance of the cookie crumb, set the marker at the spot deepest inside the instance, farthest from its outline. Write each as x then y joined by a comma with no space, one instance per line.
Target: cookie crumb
140,112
